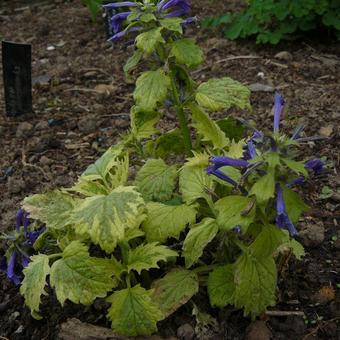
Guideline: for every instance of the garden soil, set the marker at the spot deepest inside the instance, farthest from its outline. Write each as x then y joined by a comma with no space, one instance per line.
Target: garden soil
81,104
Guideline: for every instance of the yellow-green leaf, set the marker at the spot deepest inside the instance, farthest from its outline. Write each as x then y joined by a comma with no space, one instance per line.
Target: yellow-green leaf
34,282
197,239
218,94
264,188
172,24
148,41
133,312
174,290
187,52
165,221
156,180
146,256
53,208
79,277
106,217
235,211
207,128
151,88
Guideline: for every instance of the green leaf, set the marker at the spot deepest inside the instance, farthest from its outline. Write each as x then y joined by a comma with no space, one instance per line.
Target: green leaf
151,88
133,61
273,159
133,312
148,41
231,128
143,123
218,94
174,290
264,188
255,284
235,211
221,286
236,149
194,183
105,218
197,239
165,221
172,24
94,7
147,17
53,208
156,180
79,277
186,52
34,282
208,128
89,188
268,241
297,167
295,247
171,142
147,255
295,206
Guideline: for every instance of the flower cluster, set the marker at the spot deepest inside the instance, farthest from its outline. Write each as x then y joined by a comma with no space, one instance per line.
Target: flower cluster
164,9
22,241
249,163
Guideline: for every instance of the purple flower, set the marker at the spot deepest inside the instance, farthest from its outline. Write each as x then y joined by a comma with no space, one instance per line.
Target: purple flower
250,151
282,219
297,131
121,34
278,106
221,161
22,242
315,165
120,4
174,4
117,20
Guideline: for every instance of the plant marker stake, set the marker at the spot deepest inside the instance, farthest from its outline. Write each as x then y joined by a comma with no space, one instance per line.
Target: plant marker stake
17,75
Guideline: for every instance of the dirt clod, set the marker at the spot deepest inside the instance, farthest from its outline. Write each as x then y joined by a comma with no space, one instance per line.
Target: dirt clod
313,235
258,330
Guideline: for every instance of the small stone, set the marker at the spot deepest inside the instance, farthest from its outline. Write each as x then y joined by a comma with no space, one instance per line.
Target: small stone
326,131
313,235
50,48
19,330
258,330
13,316
42,125
258,87
284,55
24,129
15,186
45,160
186,332
87,125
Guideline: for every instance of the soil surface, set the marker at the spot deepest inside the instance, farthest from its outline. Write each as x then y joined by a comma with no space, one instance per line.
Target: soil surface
81,103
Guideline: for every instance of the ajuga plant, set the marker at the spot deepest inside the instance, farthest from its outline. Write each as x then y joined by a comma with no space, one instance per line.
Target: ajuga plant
150,234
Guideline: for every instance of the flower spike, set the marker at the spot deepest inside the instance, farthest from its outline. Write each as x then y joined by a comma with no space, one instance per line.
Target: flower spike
278,106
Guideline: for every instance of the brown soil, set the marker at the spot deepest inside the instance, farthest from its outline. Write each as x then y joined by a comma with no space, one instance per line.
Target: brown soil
88,119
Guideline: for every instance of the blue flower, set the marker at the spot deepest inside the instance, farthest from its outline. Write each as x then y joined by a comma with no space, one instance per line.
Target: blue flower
117,21
221,161
278,106
120,4
282,219
249,151
23,241
177,5
315,165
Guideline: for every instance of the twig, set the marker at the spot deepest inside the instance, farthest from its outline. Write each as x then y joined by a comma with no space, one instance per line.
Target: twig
228,59
24,163
284,313
3,338
315,330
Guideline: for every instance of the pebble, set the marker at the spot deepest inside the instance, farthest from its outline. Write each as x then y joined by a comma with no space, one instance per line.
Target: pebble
258,330
45,160
258,87
87,125
313,235
19,330
42,125
24,129
284,55
15,185
13,316
186,332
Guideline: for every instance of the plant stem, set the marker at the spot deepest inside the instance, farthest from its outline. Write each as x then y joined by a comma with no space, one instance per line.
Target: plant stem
53,256
181,116
206,268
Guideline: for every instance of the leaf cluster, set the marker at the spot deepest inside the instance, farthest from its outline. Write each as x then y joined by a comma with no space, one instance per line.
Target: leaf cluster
271,21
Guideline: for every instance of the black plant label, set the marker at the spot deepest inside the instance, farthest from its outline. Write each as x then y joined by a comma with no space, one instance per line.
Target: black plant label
107,15
17,74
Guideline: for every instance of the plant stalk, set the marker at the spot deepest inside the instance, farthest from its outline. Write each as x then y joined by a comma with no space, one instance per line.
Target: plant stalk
183,123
